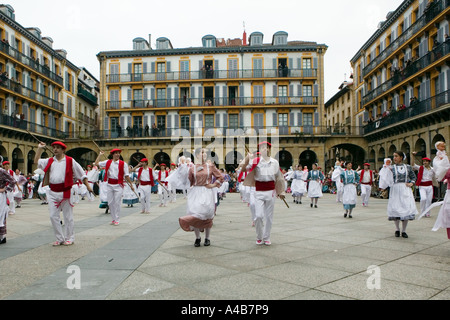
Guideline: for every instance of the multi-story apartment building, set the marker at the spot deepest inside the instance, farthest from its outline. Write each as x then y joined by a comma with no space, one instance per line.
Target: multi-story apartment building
402,81
39,92
221,85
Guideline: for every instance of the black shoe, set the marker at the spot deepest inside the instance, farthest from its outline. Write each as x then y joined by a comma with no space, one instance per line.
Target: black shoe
311,205
404,235
345,215
197,242
315,206
397,233
350,216
300,202
3,241
207,243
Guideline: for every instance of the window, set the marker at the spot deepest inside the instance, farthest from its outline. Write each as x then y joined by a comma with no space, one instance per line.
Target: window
257,67
137,98
232,68
282,119
161,122
209,121
137,75
306,63
161,98
185,122
114,99
282,94
233,121
161,71
69,106
258,94
184,70
307,122
114,72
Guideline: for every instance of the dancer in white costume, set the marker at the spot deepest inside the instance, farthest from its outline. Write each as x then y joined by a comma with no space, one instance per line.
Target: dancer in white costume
201,206
298,184
336,178
145,180
315,178
401,205
426,178
60,172
116,173
266,177
10,194
7,183
350,179
171,188
93,177
366,182
441,163
161,177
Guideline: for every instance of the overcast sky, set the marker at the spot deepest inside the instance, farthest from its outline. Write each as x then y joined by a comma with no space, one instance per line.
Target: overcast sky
84,28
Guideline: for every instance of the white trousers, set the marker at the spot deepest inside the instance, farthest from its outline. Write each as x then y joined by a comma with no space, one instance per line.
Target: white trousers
144,193
339,191
366,190
264,205
252,203
54,199
12,204
426,197
163,194
114,194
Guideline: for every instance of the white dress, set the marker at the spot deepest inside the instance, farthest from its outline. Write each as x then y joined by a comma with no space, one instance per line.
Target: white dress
401,204
315,185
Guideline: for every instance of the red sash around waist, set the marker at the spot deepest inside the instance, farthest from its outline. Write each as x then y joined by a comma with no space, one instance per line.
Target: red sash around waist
114,181
145,183
265,185
61,187
426,183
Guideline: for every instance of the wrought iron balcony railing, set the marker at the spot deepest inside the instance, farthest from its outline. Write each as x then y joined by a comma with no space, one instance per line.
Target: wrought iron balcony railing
436,54
211,74
420,108
42,69
18,88
435,9
205,102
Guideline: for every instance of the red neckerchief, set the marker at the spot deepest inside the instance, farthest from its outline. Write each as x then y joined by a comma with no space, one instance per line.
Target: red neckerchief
68,179
121,170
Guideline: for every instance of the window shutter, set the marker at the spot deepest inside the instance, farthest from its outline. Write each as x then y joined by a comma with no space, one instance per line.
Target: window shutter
129,95
106,123
225,120
291,119
316,90
169,121
274,119
299,119
218,120
153,67
144,67
241,119
275,93
130,68
168,66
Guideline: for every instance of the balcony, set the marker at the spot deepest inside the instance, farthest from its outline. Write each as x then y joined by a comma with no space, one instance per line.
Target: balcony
87,96
209,102
435,9
12,123
29,62
211,74
297,132
17,88
415,67
415,112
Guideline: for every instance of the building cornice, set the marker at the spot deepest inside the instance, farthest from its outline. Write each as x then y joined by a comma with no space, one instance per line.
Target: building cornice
18,27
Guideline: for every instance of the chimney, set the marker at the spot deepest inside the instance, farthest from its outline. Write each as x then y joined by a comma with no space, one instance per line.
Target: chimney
244,39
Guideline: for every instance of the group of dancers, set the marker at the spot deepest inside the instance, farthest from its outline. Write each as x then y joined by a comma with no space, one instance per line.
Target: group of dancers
261,182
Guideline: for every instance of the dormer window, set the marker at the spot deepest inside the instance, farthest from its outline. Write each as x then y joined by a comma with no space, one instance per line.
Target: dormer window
256,39
280,38
209,41
163,44
140,44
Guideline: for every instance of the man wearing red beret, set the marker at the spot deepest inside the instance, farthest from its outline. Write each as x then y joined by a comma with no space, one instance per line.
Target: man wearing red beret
425,179
60,171
161,176
146,182
366,181
116,172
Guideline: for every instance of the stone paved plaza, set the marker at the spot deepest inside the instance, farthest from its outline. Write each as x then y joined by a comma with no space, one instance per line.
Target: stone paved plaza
316,254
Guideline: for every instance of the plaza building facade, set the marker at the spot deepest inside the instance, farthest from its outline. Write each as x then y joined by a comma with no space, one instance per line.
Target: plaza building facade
41,92
232,92
402,82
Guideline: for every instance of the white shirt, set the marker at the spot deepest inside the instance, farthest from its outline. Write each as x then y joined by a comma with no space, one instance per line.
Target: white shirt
266,170
58,170
145,175
156,175
366,176
428,174
92,175
113,172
